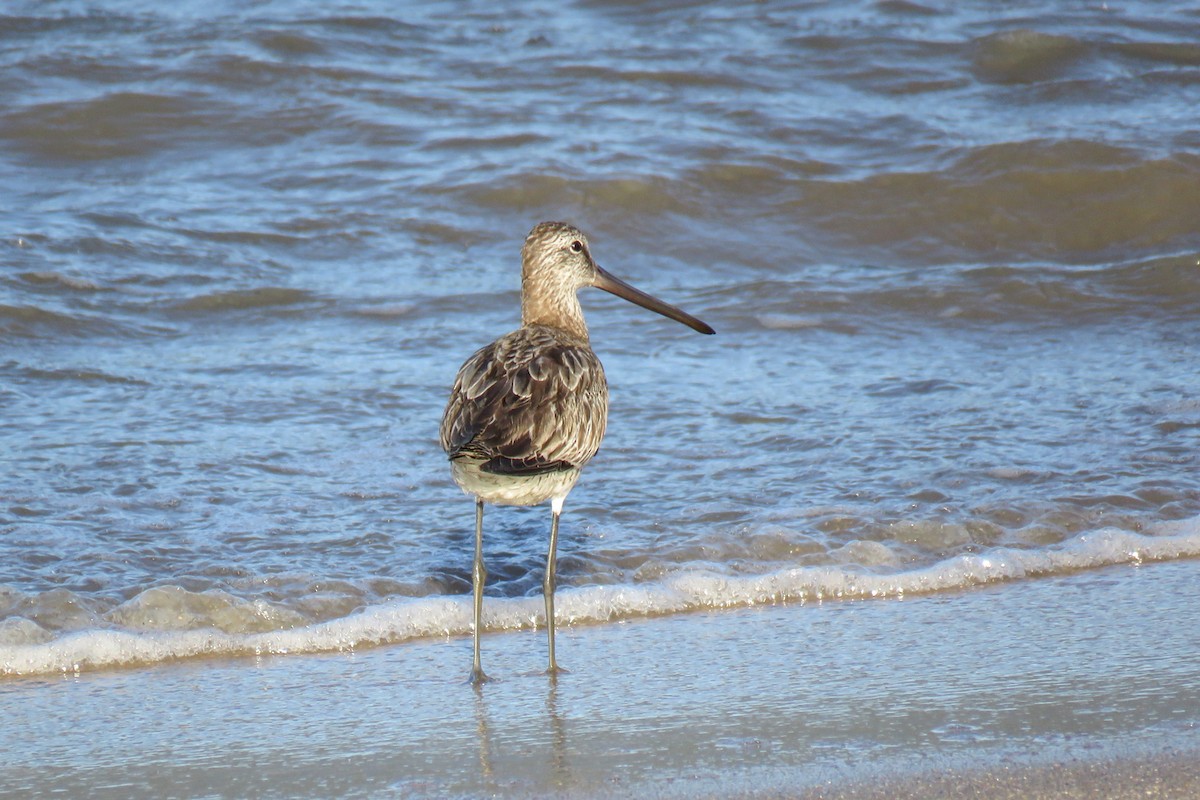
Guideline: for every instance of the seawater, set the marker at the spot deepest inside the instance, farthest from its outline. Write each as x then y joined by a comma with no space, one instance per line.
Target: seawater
952,256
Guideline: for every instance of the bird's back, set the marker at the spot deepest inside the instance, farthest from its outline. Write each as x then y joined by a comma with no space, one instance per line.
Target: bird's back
533,402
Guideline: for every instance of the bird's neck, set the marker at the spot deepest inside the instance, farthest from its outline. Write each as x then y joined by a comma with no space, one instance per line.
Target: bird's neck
556,309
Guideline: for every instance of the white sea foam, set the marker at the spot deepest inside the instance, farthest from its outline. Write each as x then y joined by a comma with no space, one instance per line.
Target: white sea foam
402,620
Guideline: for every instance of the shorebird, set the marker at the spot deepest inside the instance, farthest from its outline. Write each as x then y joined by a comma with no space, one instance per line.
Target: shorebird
528,411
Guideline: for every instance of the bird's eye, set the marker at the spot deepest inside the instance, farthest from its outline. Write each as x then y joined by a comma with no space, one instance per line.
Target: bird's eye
576,246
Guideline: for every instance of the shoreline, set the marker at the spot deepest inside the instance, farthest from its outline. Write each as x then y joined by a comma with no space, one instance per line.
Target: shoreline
399,621
1052,687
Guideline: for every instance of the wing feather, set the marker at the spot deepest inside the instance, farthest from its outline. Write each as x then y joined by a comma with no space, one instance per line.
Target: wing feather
533,401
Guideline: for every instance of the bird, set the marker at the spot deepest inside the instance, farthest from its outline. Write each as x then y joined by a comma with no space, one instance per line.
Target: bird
528,411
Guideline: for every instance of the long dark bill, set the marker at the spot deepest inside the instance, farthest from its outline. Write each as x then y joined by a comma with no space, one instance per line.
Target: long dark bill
614,285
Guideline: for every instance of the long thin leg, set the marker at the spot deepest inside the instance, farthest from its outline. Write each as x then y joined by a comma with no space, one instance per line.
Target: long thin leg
548,585
478,575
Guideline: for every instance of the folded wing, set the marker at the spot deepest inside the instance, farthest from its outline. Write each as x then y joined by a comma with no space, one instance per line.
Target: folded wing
533,401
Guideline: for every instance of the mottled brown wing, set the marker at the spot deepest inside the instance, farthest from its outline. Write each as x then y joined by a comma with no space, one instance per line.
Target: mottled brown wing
532,401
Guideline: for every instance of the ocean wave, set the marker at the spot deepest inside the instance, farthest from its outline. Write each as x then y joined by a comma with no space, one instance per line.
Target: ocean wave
34,322
28,649
115,125
1166,286
246,299
1058,201
1025,56
1066,201
645,194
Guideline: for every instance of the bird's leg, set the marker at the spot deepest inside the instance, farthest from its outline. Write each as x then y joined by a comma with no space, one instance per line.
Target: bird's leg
548,584
478,576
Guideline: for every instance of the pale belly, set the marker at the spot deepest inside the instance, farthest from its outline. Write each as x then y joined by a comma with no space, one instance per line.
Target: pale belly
512,490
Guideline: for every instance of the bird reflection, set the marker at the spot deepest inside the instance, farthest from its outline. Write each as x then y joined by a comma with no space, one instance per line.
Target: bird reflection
560,772
483,729
491,752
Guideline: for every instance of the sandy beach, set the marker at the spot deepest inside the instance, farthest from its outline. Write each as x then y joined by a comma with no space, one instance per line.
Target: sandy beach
1076,686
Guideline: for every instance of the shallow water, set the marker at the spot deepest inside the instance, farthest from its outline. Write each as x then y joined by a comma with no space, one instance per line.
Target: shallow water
780,701
952,257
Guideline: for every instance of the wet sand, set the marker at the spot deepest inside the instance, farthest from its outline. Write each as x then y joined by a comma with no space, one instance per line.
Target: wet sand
1169,775
1078,686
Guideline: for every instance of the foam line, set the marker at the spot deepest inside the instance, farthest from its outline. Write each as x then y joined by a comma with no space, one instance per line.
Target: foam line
402,620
